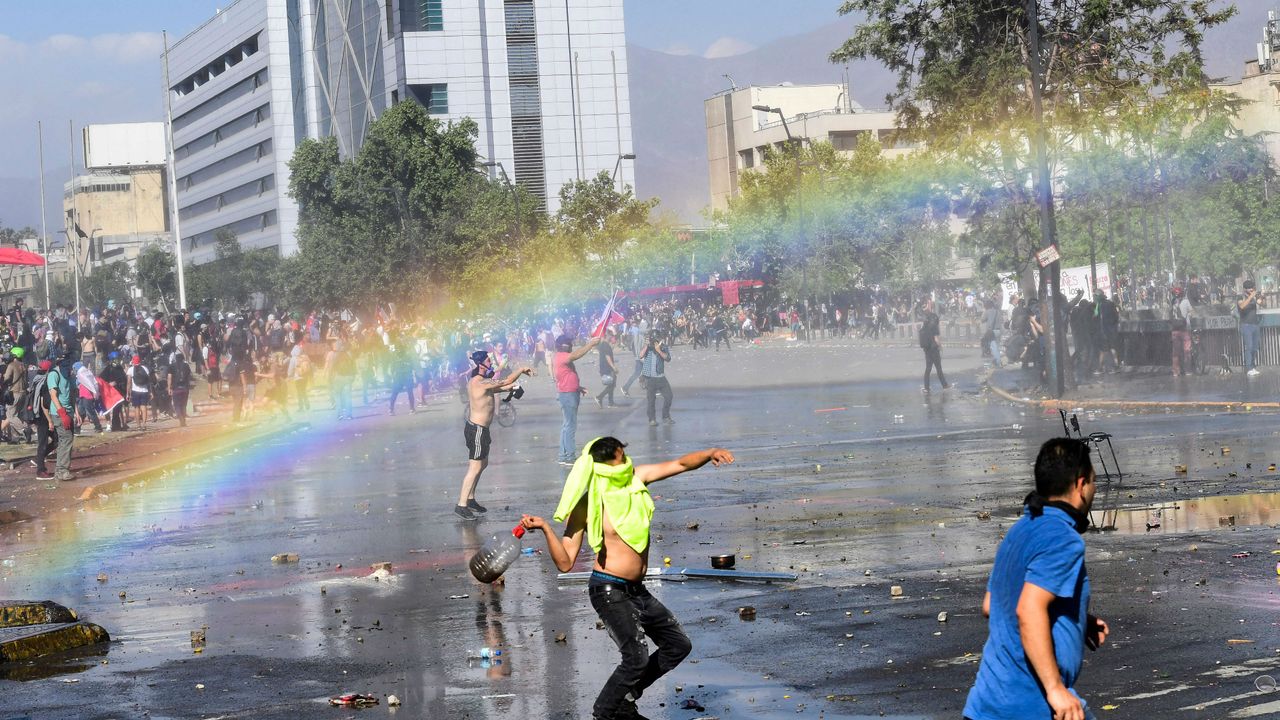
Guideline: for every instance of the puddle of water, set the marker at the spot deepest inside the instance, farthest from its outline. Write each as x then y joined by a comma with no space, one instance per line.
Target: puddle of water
1197,514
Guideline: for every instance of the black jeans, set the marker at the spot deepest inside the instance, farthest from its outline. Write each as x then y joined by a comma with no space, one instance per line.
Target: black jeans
932,359
46,442
654,386
629,614
607,392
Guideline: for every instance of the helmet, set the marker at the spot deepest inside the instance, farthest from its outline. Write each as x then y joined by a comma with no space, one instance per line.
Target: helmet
18,352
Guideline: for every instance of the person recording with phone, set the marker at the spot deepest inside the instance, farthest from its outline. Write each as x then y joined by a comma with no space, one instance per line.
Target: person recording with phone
1250,334
653,360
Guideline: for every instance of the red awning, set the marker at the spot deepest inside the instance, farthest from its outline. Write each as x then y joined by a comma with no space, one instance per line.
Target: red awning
15,256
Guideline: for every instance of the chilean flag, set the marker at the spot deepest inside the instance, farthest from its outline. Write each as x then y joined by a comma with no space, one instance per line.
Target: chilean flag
607,318
110,396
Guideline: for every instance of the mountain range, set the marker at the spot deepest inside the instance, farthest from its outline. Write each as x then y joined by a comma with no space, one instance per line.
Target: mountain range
667,93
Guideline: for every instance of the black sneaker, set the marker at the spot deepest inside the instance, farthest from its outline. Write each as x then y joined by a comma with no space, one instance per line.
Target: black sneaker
44,475
628,711
474,506
464,512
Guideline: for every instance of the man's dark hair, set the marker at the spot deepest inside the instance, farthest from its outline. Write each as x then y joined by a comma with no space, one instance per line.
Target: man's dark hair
1248,285
1060,462
564,341
603,450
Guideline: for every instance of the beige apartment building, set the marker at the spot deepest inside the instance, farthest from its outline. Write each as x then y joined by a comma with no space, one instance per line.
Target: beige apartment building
1260,88
739,134
121,210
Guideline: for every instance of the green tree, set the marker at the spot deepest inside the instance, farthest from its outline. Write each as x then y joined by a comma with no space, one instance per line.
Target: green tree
155,273
964,84
112,281
396,221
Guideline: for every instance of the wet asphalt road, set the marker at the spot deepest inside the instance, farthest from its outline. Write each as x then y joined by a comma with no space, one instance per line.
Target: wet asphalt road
828,485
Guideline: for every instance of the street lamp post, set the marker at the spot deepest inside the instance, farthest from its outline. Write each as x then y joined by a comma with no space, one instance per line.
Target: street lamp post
618,165
804,267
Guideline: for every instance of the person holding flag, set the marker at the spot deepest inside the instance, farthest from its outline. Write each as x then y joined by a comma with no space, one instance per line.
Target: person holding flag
571,391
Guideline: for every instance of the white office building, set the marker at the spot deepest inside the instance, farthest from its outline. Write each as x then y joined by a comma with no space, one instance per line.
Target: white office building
739,133
545,81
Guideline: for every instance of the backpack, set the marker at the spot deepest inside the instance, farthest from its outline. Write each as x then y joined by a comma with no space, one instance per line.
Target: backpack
181,375
37,396
238,343
141,377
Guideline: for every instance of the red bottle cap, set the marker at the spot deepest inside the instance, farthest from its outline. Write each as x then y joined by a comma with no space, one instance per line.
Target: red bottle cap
518,531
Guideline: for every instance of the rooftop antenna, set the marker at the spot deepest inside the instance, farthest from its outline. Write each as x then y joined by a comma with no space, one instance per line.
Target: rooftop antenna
729,77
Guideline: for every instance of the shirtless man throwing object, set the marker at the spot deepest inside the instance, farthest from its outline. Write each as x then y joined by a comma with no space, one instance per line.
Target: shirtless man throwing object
482,390
607,499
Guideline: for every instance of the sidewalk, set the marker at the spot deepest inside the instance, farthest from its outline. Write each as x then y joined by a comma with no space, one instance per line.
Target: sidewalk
105,462
1153,387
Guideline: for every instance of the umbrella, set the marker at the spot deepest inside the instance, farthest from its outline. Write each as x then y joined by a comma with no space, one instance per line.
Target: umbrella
15,256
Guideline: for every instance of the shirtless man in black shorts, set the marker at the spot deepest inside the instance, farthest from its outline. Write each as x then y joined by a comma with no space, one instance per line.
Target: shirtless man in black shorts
482,391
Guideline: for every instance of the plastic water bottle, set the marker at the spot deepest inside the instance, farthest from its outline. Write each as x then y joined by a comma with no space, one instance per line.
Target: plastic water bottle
497,555
484,653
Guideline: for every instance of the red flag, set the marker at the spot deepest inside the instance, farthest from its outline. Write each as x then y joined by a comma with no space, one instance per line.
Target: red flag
110,396
607,318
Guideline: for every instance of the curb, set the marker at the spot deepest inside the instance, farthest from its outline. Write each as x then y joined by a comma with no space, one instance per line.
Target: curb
49,639
23,613
111,486
1051,404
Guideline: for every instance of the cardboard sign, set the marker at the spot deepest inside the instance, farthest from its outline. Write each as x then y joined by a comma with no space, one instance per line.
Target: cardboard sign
1048,256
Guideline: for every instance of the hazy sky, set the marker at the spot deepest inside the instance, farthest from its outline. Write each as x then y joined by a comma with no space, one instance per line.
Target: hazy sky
94,61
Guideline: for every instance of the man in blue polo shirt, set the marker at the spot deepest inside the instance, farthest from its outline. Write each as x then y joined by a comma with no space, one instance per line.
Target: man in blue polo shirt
1038,598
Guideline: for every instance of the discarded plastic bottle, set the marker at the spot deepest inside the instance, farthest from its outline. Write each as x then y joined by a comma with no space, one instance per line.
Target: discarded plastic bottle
497,555
484,653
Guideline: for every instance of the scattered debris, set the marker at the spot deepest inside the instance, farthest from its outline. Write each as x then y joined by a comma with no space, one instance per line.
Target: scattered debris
942,616
692,704
984,514
895,591
691,526
353,700
102,577
1180,469
198,638
1238,641
1227,521
459,597
284,558
393,701
747,613
380,566
562,638
1240,555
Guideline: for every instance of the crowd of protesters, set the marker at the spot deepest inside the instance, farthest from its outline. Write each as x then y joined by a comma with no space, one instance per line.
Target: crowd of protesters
121,367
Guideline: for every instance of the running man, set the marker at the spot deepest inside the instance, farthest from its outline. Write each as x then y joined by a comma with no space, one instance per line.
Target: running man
606,498
482,391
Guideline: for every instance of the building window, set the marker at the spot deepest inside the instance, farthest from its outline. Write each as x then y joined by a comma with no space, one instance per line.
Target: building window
747,159
421,16
525,89
435,98
847,140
